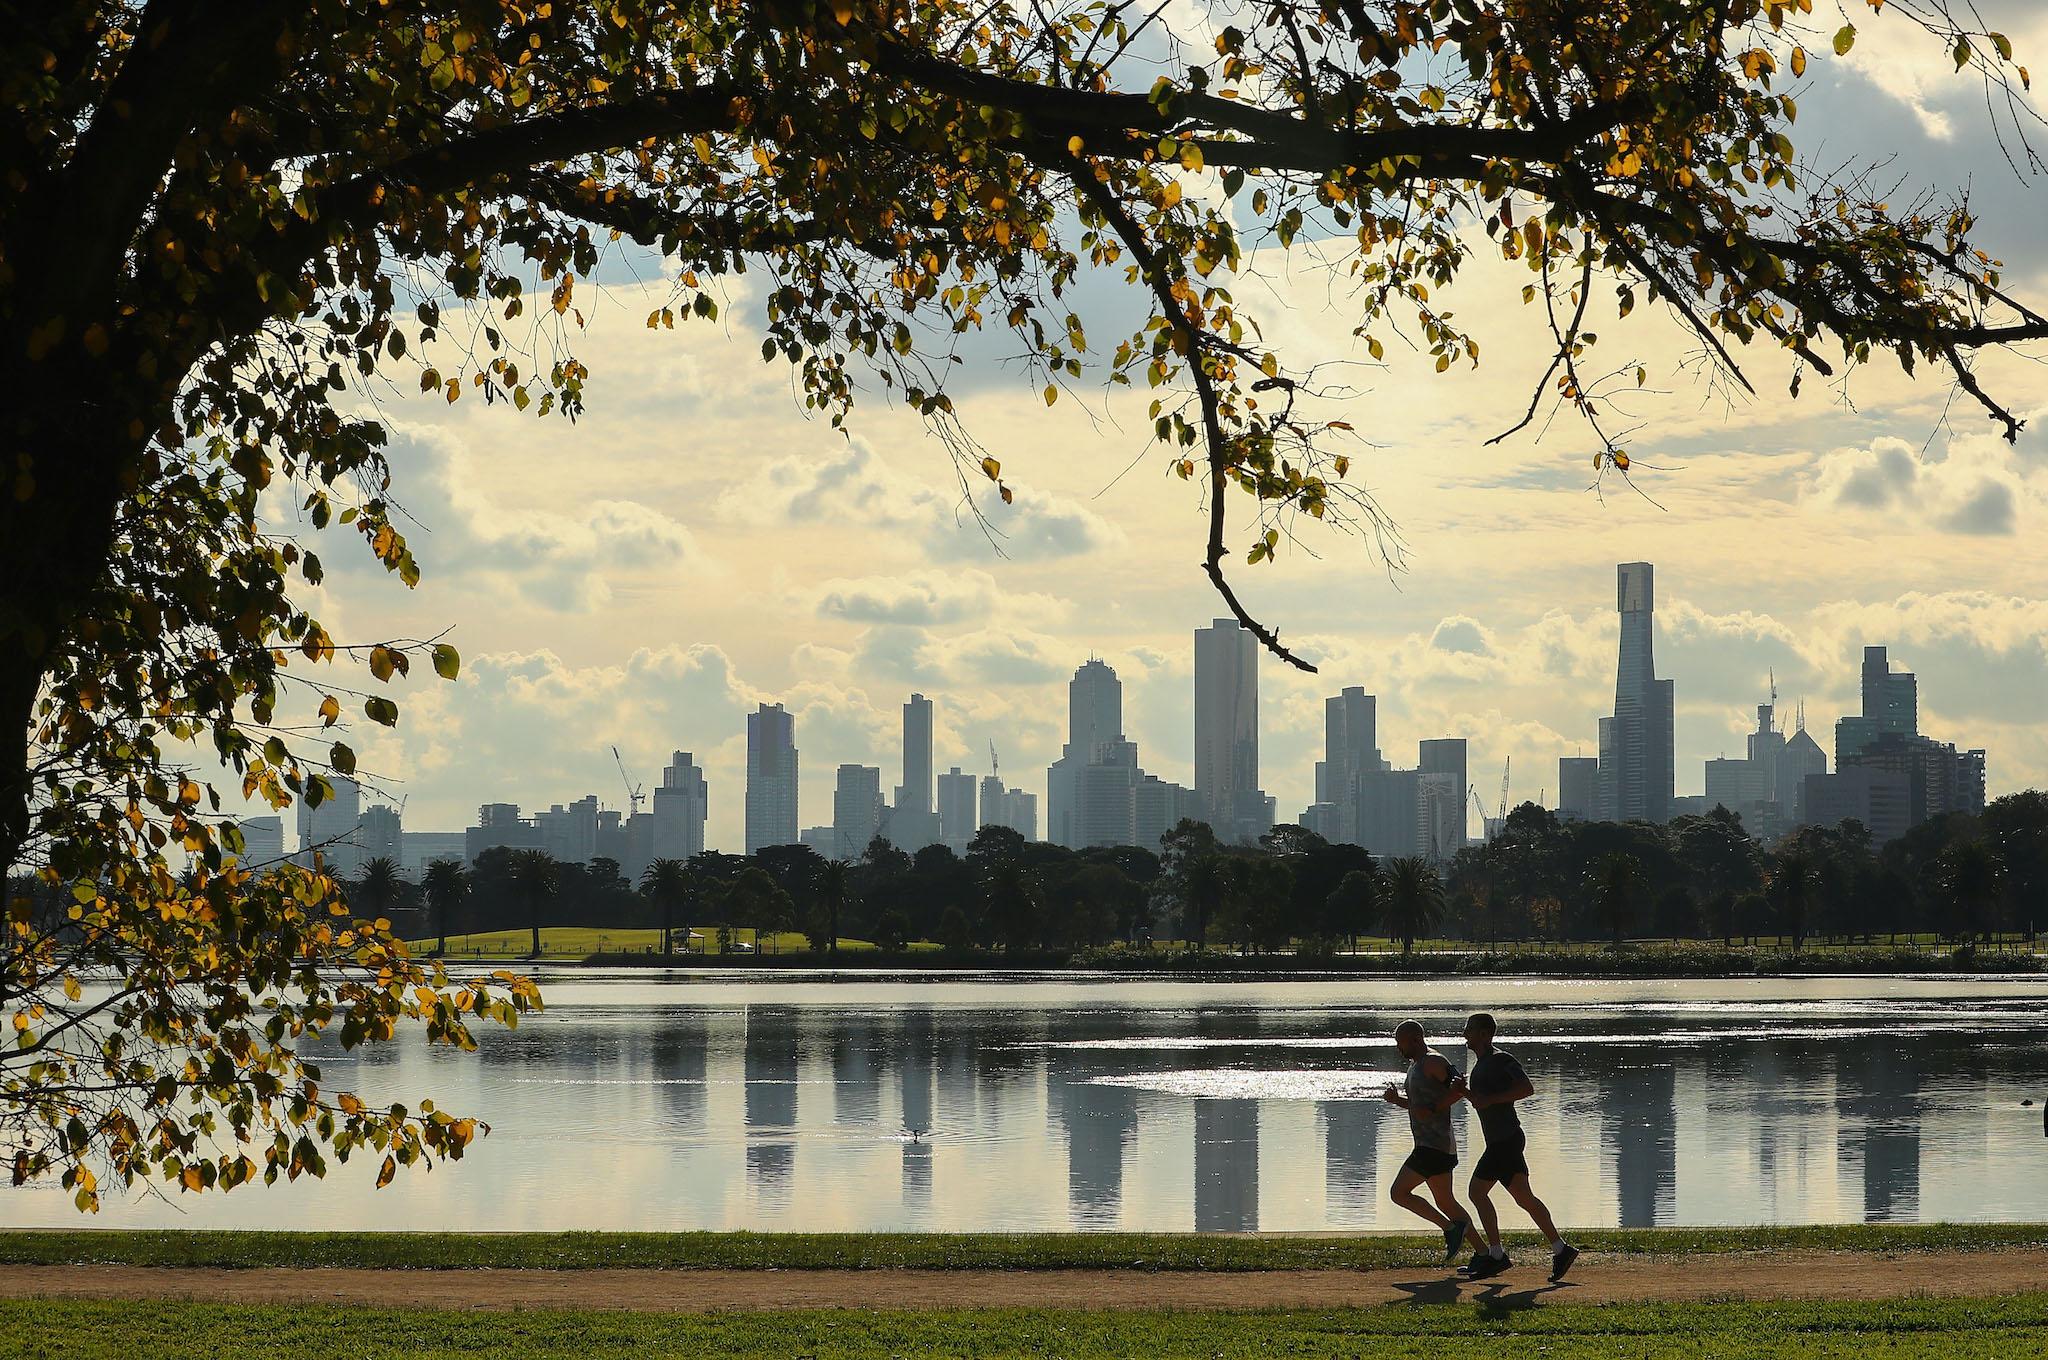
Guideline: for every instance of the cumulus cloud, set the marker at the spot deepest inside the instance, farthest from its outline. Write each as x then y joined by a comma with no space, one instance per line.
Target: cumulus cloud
852,483
927,598
566,559
1978,487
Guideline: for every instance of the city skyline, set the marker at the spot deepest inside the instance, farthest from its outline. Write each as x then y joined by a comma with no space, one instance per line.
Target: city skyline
1097,792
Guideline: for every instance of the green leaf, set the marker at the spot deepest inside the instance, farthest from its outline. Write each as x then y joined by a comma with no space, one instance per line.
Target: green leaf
447,662
1845,39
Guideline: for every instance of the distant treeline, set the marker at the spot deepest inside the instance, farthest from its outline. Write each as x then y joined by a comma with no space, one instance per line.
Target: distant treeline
1958,877
1540,879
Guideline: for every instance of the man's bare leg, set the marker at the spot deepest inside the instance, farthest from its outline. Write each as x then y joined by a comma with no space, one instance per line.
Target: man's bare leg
1482,1191
1539,1213
1405,1196
1447,1200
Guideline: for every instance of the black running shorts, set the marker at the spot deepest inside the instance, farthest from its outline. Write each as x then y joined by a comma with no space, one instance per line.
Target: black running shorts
1428,1162
1502,1162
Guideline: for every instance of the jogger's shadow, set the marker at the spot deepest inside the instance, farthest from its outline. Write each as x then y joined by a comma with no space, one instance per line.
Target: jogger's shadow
1493,1297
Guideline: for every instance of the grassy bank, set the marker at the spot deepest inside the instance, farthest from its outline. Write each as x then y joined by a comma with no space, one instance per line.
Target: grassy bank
1653,960
930,1251
1954,1329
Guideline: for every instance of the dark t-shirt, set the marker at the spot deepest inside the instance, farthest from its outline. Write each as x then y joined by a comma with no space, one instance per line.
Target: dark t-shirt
1491,1075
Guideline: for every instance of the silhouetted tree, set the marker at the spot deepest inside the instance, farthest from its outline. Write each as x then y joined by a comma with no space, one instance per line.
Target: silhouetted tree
536,877
1618,883
668,884
1355,904
445,885
1412,905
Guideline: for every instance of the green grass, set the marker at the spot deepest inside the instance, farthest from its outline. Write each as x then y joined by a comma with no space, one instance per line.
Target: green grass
1953,1329
930,1251
578,942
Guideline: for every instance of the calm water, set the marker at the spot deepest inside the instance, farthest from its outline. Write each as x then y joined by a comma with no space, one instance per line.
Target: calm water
640,1103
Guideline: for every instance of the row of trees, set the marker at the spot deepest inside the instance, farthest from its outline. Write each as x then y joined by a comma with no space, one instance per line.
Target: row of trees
1540,879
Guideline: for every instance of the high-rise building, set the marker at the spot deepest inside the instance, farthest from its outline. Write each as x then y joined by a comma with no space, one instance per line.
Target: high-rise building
498,826
856,810
820,840
1159,806
332,829
771,778
1447,756
418,849
1227,732
957,821
262,841
1350,748
992,801
380,834
1636,748
1020,813
1880,799
1801,758
1407,813
680,806
914,794
1578,787
1095,738
569,834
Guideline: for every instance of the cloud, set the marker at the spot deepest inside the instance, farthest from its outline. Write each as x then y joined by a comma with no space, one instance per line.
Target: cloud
927,598
1461,634
566,560
1978,487
852,483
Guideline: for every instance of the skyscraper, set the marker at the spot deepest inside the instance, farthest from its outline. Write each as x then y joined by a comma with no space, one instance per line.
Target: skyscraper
914,794
1891,707
331,828
1095,737
680,807
1095,708
856,810
1227,732
771,777
1446,756
1636,761
1578,787
957,821
1350,748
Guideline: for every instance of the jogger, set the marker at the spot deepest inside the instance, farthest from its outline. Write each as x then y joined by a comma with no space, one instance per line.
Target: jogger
1496,1083
1430,1092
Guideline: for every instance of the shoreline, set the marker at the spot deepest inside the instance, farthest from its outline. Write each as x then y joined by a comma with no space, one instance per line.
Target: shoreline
1706,963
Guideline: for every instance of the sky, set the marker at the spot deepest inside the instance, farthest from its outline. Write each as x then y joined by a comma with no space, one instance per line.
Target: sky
696,544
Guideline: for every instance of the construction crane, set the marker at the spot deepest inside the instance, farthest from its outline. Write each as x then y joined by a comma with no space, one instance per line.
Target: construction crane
1485,822
993,768
635,795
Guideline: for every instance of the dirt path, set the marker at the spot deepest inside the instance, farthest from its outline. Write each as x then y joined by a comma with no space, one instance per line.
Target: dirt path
1596,1279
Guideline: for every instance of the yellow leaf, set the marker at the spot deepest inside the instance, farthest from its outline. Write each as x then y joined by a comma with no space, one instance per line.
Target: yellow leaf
386,1172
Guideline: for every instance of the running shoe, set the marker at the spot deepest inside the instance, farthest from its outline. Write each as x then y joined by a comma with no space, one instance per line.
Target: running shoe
1454,1238
1561,1261
1485,1266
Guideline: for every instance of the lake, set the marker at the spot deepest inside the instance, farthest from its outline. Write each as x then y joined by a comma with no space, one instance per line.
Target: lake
642,1101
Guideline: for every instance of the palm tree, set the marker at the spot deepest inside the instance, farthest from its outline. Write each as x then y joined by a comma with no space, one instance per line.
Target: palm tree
668,883
445,885
1969,873
377,889
535,878
1617,880
1413,900
832,894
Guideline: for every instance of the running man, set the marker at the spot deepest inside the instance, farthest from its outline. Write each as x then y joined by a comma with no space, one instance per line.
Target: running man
1496,1083
1429,1095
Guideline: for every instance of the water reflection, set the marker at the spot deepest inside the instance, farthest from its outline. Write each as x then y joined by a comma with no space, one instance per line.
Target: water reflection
1351,1135
1226,1165
1143,1106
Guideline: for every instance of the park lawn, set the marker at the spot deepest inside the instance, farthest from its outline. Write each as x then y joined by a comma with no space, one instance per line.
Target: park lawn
1906,1329
580,942
933,1251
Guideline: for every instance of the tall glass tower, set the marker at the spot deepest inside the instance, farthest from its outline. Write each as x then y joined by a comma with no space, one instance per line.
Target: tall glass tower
1636,762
